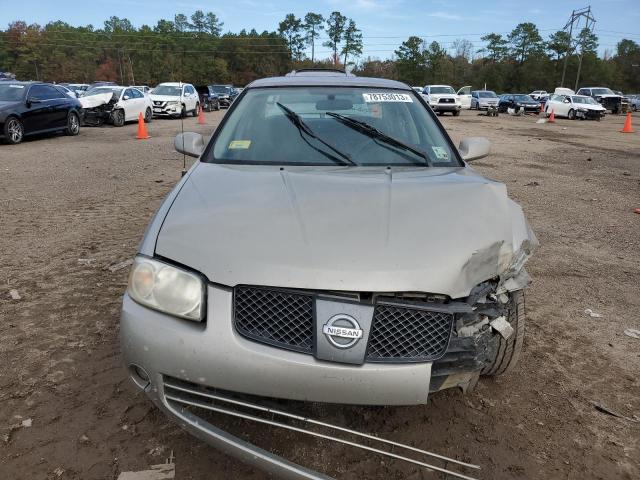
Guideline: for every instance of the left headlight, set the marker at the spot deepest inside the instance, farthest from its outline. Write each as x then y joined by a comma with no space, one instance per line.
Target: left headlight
167,289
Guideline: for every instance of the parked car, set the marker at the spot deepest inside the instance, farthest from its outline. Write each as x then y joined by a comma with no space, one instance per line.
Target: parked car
27,108
518,101
78,88
115,105
175,99
483,99
442,98
324,248
604,96
574,106
225,94
537,94
208,98
66,91
634,101
143,88
417,89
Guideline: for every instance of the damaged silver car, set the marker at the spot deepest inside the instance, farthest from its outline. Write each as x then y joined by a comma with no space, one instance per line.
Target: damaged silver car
330,245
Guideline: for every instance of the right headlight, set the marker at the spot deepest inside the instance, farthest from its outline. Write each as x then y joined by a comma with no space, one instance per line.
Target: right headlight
167,289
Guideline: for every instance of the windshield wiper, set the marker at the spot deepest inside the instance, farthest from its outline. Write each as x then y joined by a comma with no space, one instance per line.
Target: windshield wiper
373,132
304,128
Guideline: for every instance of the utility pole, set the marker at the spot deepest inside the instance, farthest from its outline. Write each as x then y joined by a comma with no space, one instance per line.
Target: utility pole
578,17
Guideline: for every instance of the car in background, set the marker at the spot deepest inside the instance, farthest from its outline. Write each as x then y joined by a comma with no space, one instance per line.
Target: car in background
574,106
208,98
634,102
66,91
115,105
175,99
143,88
483,99
604,96
625,101
27,108
78,88
538,94
225,93
417,89
517,102
287,263
441,99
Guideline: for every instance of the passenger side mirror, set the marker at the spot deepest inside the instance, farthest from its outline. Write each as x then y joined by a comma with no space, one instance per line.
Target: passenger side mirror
473,148
126,97
189,143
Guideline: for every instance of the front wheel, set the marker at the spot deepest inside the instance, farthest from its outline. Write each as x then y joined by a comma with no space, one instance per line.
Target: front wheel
196,110
456,113
148,115
508,351
571,115
13,130
118,118
73,124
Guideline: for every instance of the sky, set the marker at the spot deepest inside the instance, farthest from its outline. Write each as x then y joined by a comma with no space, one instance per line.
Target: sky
384,23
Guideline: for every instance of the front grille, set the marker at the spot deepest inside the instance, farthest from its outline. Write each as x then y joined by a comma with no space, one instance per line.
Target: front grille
277,317
447,100
402,333
285,319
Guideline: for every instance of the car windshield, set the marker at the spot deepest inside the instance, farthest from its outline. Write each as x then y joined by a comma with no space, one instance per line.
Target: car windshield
98,90
11,92
438,90
265,128
486,95
220,89
167,90
601,91
523,98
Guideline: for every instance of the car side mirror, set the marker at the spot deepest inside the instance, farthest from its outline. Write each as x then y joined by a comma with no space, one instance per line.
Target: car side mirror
189,143
473,148
31,100
126,97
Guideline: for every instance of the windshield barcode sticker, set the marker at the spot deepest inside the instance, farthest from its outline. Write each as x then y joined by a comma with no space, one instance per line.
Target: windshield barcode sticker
387,97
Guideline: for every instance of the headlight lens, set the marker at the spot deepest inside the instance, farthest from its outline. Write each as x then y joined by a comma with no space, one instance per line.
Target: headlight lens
167,288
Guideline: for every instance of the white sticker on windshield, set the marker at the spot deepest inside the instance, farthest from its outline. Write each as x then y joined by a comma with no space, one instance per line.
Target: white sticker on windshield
387,97
16,86
441,153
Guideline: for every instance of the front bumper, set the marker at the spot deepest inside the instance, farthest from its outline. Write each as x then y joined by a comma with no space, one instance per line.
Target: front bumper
213,354
445,107
167,110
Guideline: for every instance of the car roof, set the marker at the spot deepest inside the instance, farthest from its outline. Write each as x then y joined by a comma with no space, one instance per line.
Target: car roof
173,84
439,86
326,78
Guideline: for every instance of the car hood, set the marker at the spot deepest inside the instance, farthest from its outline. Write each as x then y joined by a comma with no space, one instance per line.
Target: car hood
588,106
437,96
165,98
438,230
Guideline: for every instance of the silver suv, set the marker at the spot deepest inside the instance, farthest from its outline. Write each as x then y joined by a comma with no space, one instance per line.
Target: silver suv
330,245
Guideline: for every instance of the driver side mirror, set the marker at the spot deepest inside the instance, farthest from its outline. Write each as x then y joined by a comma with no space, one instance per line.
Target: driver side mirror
189,143
473,148
126,97
31,100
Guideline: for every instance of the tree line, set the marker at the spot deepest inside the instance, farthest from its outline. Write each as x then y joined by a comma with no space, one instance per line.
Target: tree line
195,49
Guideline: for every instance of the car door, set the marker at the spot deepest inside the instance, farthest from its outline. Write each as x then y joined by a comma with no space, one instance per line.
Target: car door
128,102
464,95
59,103
38,112
194,96
140,104
187,99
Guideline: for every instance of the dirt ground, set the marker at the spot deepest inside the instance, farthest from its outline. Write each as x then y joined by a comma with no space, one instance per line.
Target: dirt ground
72,207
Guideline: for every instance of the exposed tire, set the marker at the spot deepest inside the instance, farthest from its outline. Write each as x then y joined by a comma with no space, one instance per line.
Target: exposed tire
508,352
13,131
456,113
183,112
73,124
148,115
571,115
118,118
196,110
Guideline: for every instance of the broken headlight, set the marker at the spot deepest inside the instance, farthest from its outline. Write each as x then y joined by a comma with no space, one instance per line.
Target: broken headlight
167,289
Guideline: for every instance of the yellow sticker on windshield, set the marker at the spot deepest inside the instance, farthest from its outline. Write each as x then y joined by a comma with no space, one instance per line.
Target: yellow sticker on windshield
240,144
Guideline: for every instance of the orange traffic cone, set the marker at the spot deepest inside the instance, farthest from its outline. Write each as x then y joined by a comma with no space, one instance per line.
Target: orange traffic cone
142,128
552,117
201,119
627,125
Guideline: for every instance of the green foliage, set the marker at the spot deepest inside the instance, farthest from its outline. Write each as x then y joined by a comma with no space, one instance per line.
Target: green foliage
291,29
335,30
313,25
352,41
